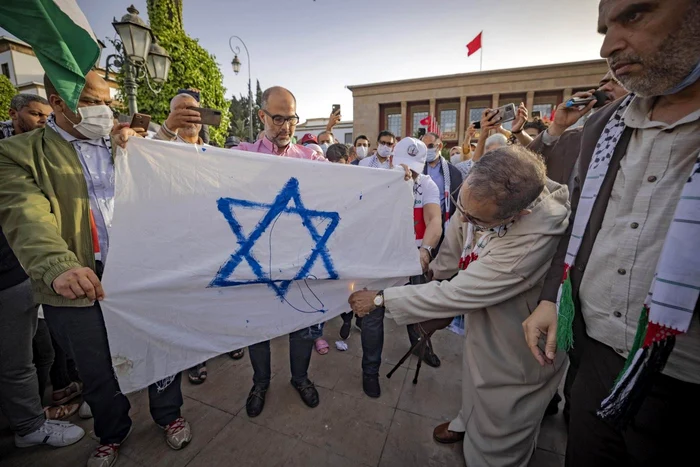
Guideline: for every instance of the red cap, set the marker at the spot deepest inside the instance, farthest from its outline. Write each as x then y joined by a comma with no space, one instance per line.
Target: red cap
308,138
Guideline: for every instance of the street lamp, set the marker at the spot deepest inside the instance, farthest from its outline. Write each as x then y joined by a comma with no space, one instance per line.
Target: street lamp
139,54
236,65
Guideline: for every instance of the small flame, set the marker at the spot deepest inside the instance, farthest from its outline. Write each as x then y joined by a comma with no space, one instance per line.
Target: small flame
352,286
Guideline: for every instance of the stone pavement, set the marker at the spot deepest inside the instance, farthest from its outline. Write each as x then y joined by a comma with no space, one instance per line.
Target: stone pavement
347,429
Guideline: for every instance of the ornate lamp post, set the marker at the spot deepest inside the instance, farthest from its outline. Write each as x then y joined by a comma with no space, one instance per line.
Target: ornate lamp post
236,65
138,54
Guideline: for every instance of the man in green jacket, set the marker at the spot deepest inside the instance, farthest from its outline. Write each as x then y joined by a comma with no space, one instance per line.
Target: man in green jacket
56,205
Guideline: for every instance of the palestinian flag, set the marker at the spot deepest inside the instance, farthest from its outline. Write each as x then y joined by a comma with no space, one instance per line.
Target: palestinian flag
61,37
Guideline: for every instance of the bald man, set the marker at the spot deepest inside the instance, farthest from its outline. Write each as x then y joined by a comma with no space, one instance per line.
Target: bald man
279,115
182,124
56,205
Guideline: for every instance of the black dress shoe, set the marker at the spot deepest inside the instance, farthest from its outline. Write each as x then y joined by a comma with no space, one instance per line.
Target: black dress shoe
429,357
370,384
345,328
256,401
308,392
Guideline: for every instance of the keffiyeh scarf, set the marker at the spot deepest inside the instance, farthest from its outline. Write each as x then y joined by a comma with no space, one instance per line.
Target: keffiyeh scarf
673,293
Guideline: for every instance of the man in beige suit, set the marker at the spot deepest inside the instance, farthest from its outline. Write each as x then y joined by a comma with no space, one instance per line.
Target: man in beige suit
490,268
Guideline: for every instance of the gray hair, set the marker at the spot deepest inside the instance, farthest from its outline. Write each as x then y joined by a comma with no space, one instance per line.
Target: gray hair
20,101
178,97
511,175
498,140
434,135
274,90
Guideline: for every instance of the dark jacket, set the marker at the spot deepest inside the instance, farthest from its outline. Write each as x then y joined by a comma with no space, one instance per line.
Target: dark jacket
11,272
561,156
589,138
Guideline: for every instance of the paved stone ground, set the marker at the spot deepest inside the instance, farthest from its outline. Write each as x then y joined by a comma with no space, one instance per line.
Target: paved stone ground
347,429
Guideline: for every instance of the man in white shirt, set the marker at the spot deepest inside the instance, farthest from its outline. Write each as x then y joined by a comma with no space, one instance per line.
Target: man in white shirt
409,153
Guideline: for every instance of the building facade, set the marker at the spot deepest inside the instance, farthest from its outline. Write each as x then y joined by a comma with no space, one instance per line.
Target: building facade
19,63
342,131
458,100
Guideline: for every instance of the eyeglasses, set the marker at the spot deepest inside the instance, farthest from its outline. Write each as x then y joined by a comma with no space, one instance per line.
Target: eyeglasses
475,222
280,120
385,143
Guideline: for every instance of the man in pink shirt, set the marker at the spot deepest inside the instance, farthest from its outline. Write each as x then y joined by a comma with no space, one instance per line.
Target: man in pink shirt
278,114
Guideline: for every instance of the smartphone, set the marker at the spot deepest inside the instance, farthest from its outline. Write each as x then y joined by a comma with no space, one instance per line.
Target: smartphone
536,114
506,113
140,121
477,125
211,117
336,109
421,132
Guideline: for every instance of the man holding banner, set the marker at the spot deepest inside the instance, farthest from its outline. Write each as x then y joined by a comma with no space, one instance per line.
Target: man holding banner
57,189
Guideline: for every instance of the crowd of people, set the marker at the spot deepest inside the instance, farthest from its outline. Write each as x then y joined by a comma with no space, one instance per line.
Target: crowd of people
548,239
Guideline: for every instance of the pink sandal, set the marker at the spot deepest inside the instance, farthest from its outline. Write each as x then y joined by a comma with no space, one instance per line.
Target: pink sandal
321,346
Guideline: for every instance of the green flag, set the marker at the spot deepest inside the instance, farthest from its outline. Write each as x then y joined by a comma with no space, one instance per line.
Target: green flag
61,37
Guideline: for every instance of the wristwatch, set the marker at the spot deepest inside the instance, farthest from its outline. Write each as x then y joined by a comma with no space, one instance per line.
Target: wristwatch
429,249
379,299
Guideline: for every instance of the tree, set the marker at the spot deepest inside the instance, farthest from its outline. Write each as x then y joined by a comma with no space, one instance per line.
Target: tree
238,110
192,67
7,91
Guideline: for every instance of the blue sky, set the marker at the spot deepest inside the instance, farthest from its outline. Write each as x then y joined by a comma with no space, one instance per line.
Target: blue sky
316,48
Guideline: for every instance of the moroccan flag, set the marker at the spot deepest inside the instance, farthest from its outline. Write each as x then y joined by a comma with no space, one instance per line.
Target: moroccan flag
61,37
432,124
474,45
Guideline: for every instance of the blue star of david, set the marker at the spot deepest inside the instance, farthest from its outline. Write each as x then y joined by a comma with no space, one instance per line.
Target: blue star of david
287,201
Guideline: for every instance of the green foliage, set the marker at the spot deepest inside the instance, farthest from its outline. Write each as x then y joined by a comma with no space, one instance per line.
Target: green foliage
7,91
192,67
240,125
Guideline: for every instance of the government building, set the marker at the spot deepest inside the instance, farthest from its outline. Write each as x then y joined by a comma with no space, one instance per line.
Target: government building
458,100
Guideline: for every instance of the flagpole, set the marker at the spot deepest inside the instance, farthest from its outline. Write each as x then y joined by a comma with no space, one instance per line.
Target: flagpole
481,55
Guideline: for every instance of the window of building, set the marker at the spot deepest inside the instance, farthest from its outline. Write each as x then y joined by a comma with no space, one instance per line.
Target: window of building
475,114
393,123
545,103
6,70
348,138
514,99
545,111
448,124
417,117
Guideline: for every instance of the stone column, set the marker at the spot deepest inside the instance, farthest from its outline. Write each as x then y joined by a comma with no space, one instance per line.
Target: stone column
404,119
462,122
567,94
530,100
494,100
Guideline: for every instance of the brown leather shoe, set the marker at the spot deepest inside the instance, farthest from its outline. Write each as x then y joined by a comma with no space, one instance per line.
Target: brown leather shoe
442,435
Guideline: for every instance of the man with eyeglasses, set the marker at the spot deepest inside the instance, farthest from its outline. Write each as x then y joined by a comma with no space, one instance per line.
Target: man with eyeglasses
278,114
381,160
491,268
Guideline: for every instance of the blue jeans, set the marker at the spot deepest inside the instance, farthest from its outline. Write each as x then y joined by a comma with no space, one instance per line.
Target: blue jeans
301,344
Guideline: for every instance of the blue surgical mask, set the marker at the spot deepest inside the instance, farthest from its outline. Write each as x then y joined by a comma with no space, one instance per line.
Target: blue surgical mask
690,79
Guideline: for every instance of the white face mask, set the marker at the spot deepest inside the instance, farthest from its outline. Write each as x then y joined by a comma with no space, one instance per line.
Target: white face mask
431,155
384,151
361,152
97,121
325,147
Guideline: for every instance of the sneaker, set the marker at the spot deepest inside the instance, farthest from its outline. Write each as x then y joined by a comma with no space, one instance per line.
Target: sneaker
429,357
370,384
85,411
178,434
104,456
347,323
53,433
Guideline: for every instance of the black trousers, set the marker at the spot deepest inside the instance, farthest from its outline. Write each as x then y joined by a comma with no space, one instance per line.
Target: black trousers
81,333
43,355
662,433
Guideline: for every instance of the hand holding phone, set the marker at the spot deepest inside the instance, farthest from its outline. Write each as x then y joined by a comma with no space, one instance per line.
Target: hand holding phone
140,122
211,117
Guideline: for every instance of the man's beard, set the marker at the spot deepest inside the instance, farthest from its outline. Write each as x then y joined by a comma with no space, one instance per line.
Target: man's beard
670,64
25,127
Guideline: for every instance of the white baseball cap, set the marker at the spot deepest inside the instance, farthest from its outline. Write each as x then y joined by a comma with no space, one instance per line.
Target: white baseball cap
411,152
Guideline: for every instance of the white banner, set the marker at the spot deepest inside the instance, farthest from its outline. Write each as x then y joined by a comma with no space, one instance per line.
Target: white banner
213,249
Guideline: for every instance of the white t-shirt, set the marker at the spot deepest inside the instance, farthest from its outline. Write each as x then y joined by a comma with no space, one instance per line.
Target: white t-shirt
373,161
425,191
